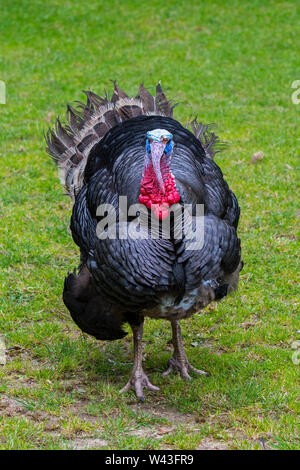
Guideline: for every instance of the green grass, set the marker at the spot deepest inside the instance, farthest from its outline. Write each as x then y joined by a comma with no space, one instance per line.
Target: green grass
231,63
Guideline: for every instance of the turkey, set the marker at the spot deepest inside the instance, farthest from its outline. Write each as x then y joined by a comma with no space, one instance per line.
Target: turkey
129,168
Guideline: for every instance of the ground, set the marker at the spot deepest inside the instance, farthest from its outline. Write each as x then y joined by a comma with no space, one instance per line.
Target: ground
232,64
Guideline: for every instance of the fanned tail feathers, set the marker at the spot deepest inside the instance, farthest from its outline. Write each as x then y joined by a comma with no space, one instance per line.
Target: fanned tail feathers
69,145
209,140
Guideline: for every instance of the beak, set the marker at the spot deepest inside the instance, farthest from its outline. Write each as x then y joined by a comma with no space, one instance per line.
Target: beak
157,150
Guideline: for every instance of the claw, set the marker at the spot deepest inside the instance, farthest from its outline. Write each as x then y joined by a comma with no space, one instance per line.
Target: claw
198,371
138,382
179,360
182,366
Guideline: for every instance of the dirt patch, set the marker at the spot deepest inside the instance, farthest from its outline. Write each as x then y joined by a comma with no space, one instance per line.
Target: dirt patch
86,443
151,432
172,416
211,444
10,407
24,354
158,431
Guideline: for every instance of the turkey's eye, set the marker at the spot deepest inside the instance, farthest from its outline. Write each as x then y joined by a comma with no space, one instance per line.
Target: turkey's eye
150,140
165,140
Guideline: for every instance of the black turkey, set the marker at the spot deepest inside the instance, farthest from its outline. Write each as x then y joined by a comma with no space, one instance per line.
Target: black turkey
129,167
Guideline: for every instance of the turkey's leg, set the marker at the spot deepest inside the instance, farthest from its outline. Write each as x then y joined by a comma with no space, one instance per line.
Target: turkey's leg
179,360
138,380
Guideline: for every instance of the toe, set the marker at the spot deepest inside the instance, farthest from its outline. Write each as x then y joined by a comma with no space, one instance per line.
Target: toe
201,372
198,371
185,375
126,388
153,387
138,382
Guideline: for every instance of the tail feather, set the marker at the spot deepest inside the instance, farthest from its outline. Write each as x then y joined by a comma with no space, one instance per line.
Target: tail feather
118,93
148,101
209,140
162,104
76,122
70,144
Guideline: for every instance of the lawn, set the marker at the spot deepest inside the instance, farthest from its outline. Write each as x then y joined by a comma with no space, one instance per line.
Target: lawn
231,63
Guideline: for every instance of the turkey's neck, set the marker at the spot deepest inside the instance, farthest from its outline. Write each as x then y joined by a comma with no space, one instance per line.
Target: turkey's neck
152,195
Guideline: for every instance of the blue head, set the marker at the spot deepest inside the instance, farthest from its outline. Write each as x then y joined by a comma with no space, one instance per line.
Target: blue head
161,136
159,144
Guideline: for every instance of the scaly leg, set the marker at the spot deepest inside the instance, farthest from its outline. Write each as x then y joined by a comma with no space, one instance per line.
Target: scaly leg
179,360
138,380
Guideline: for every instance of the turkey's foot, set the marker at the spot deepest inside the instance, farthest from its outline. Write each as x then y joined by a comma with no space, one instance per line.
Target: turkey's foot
182,366
137,382
179,360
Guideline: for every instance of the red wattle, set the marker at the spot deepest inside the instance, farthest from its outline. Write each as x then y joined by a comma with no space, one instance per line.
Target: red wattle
153,197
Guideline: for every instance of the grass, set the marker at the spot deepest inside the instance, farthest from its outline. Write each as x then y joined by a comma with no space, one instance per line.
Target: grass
232,63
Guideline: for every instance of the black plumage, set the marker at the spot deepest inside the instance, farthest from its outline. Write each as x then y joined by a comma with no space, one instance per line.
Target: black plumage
100,153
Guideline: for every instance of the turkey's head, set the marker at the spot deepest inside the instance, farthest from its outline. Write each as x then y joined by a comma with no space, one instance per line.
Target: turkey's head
158,188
